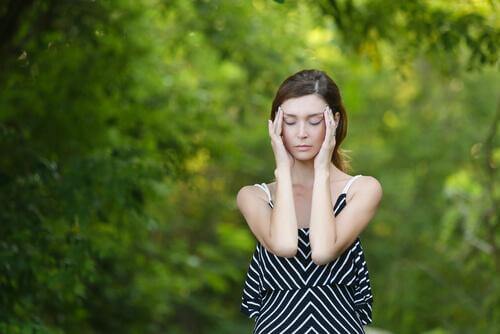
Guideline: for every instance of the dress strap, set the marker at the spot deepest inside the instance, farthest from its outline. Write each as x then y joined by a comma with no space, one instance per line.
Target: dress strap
346,188
264,187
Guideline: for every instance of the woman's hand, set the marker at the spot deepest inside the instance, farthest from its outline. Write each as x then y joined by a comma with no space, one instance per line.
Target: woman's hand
324,156
283,158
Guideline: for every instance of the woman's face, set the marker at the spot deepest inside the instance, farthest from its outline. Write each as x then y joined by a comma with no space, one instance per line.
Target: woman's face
303,124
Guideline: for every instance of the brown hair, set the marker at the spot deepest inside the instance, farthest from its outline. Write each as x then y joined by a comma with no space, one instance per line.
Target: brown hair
312,81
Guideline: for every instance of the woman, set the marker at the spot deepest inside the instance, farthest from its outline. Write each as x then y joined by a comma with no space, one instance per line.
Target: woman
308,273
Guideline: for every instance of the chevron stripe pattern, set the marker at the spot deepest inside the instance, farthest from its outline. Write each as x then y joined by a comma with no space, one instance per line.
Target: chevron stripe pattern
294,295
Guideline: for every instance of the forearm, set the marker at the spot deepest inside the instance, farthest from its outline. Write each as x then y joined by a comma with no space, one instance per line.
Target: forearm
323,233
283,227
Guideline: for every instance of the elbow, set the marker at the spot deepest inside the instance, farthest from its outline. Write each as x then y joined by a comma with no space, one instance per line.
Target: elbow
285,247
322,258
286,250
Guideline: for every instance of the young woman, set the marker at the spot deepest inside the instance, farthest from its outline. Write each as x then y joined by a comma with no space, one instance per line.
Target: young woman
308,273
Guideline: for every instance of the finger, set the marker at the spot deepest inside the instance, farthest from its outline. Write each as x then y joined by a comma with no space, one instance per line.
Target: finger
275,122
272,134
334,124
330,119
326,116
280,121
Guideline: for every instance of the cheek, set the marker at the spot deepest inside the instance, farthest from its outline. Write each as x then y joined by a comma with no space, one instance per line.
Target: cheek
288,138
320,134
286,132
285,137
322,129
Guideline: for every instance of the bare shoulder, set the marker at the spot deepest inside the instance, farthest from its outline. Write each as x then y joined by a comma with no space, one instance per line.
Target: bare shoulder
253,205
249,192
368,187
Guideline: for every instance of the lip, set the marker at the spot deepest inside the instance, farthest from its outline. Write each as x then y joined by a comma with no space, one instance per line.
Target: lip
303,147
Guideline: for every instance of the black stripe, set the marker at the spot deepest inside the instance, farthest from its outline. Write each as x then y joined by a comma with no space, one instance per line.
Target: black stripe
294,294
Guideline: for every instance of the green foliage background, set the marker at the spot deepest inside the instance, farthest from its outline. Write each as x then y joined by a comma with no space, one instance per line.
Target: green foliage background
127,128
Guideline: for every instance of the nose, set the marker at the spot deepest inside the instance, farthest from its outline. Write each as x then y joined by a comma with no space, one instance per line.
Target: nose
302,131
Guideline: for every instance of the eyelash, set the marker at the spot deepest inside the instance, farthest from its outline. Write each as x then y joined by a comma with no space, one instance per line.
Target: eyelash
309,123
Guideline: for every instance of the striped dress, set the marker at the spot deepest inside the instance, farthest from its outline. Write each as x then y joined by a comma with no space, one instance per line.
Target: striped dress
294,295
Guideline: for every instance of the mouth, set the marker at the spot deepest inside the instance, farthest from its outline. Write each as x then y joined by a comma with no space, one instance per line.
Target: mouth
303,147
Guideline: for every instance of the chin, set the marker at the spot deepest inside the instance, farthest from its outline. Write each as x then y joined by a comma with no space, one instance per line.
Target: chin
306,155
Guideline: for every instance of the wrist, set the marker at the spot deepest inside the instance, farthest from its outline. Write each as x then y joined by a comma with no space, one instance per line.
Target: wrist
321,173
282,171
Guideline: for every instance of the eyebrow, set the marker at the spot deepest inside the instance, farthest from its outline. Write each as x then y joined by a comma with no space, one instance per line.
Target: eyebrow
293,115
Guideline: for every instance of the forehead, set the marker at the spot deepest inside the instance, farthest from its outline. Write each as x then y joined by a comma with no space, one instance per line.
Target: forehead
303,106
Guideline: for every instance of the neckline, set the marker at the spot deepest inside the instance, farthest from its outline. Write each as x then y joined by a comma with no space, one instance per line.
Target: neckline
341,193
307,228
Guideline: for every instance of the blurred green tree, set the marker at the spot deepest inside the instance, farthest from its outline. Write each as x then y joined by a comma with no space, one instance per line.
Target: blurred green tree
127,127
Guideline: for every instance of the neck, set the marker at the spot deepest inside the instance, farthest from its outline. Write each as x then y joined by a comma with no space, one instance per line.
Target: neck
303,172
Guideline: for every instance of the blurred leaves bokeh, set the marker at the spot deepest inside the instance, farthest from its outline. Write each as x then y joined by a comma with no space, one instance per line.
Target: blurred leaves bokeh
127,128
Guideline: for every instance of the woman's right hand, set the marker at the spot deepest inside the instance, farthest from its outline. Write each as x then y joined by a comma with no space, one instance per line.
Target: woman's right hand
283,158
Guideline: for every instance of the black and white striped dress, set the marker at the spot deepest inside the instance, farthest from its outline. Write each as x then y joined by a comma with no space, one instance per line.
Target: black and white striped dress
294,295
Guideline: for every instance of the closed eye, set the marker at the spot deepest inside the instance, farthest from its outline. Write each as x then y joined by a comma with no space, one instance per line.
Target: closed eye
317,123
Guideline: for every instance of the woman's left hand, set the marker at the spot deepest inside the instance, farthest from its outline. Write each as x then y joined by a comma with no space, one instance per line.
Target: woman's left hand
323,158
